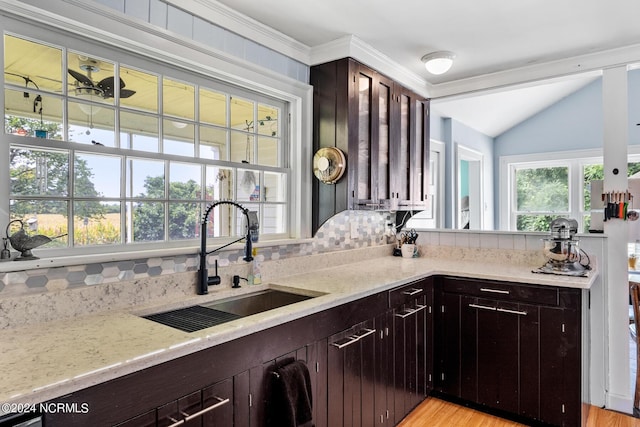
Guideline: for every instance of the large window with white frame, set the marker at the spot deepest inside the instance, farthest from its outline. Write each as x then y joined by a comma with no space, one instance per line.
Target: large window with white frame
540,190
108,149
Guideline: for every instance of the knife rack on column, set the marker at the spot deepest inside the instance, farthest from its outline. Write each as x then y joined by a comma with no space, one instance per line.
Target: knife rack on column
616,204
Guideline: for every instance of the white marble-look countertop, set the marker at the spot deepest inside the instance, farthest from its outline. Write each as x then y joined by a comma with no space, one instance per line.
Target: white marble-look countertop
43,361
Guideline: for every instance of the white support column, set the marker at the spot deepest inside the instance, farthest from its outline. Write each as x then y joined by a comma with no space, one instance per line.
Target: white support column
616,121
4,171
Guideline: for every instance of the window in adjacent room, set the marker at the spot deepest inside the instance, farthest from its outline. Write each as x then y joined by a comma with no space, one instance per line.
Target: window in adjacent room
541,191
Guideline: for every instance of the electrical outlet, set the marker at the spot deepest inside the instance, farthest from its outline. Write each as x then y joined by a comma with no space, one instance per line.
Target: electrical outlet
354,230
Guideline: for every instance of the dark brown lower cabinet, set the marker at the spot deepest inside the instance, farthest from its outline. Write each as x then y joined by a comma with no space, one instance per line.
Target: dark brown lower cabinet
148,419
511,347
182,409
193,389
241,398
379,370
384,408
207,407
215,397
351,376
410,325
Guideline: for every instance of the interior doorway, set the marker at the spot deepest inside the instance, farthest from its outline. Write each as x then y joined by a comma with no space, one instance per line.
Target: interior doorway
469,200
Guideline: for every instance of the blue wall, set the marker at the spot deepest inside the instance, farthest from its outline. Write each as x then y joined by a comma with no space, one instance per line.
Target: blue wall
451,132
573,123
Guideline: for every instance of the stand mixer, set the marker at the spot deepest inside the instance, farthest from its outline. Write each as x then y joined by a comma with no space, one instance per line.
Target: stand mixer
561,250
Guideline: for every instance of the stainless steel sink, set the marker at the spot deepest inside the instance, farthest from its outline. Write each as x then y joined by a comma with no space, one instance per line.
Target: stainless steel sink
254,303
194,318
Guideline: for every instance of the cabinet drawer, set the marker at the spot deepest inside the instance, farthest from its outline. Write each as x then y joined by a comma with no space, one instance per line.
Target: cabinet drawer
405,294
507,291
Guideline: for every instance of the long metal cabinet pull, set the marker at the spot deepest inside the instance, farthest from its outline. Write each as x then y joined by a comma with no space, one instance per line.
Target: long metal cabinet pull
412,291
188,417
220,403
518,312
495,291
503,310
345,344
354,338
410,312
482,307
367,333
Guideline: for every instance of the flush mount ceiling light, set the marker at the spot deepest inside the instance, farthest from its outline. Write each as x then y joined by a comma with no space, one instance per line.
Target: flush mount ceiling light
438,62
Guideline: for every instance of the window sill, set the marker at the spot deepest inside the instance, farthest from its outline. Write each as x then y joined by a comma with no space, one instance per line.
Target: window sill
66,261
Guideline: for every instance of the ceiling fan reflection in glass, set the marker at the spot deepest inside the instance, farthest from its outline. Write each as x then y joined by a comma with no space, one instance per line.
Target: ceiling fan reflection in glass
104,88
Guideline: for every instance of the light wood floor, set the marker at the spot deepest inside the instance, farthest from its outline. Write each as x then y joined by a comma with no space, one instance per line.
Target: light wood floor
438,413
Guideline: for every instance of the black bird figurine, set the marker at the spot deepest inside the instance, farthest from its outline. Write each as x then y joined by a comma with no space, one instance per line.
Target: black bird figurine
23,243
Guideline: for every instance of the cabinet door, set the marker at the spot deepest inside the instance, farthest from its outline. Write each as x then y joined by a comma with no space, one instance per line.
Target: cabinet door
420,179
409,153
217,399
560,366
241,396
498,339
361,137
424,343
384,370
181,409
351,377
317,364
383,129
409,328
249,396
530,330
369,152
147,419
366,344
448,348
401,149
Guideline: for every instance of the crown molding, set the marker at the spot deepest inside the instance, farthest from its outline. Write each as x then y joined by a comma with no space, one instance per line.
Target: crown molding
353,47
593,62
234,21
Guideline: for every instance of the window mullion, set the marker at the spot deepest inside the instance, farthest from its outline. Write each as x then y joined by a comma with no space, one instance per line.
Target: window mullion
167,183
129,122
123,200
71,207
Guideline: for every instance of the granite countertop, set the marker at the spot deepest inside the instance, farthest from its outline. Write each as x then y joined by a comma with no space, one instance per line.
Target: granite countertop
43,361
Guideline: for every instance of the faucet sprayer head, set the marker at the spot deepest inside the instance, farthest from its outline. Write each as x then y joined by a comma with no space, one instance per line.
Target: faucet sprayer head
252,233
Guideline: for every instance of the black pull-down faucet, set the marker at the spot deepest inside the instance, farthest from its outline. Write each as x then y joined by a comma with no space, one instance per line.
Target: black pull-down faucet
252,230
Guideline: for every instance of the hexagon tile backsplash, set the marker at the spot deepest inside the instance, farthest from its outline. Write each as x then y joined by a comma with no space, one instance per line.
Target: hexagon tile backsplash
334,235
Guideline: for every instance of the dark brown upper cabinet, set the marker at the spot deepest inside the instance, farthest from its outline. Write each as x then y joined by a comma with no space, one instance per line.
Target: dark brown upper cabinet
383,129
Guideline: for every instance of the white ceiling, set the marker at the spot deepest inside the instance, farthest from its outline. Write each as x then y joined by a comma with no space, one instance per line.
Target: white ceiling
491,38
497,111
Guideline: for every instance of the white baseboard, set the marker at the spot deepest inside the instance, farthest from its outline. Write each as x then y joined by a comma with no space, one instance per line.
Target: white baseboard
620,403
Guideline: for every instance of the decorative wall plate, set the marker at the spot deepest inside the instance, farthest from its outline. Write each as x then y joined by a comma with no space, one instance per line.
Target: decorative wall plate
329,164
